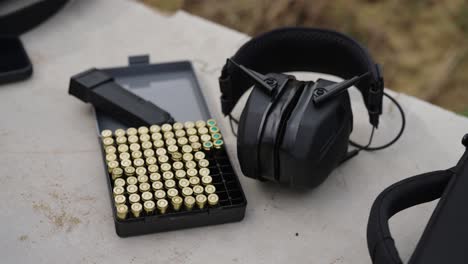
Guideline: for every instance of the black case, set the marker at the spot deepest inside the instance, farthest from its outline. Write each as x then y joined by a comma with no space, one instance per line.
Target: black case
168,86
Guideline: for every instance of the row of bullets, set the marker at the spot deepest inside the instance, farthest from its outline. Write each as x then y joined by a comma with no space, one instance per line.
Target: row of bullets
132,154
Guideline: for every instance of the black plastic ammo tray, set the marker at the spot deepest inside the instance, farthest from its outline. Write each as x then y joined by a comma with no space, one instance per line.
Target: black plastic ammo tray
174,87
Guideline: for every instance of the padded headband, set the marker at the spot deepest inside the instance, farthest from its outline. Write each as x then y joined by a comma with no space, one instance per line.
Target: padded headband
401,195
303,49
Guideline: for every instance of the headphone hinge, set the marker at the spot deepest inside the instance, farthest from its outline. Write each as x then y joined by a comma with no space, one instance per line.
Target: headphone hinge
226,96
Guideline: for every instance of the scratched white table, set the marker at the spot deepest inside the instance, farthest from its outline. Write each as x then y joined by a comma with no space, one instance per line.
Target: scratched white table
55,205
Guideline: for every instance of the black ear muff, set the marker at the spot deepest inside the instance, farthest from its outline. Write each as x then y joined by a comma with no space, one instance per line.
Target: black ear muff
314,137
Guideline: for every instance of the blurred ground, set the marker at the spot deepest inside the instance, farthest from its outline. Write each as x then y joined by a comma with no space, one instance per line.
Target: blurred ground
422,44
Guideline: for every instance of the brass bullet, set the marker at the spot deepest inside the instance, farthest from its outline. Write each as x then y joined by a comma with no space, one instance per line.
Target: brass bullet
126,163
155,129
142,178
134,198
182,141
129,171
203,163
136,209
187,157
162,205
119,132
121,140
193,139
180,174
111,165
189,125
135,147
132,139
177,202
191,132
148,153
158,143
146,145
157,185
196,146
165,167
206,180
163,159
202,131
192,172
119,182
172,192
156,137
118,190
218,143
155,177
190,164
117,173
168,135
110,150
189,202
140,170
199,155
131,131
198,189
166,128
169,184
176,156
132,189
194,181
138,162
168,175
149,207
177,126
205,138
187,191
108,141
122,148
153,168
106,133
137,154
124,156
180,133
200,123
161,151
144,187
183,183
213,199
171,141
207,145
186,149
216,136
172,148
214,129
122,211
209,189
146,196
151,161
178,165
159,194
132,180
201,200
119,199
211,122
204,172
143,130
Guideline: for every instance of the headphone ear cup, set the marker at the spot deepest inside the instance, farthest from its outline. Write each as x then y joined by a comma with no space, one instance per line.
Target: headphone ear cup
315,140
247,131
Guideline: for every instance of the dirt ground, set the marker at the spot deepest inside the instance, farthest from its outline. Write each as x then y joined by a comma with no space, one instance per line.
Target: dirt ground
422,44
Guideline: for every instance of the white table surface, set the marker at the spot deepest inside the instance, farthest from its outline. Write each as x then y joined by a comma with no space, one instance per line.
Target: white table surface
55,205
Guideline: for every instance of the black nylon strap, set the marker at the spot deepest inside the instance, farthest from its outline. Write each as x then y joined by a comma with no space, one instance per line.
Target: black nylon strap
401,195
26,18
304,49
